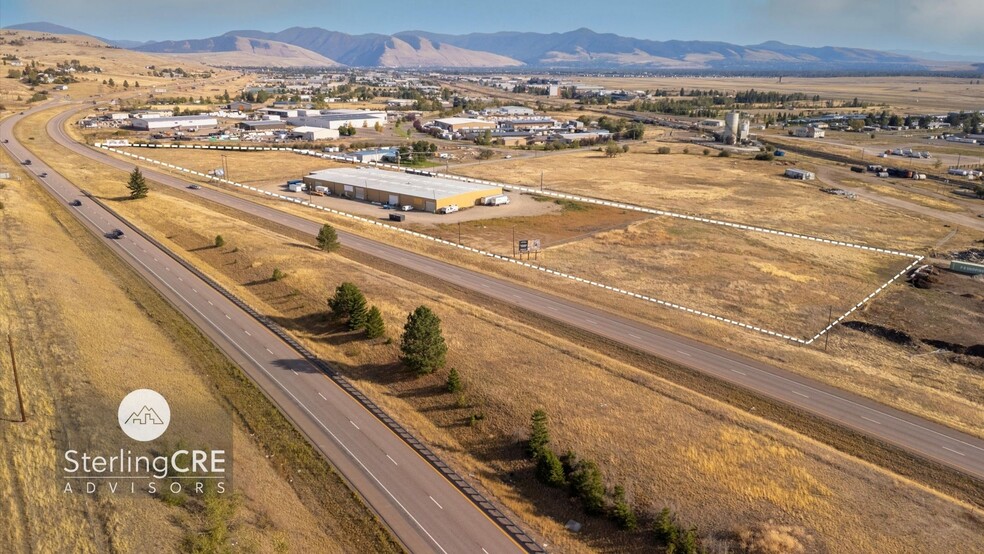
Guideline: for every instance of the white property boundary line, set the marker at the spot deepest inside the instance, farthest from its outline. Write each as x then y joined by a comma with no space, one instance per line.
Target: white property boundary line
575,278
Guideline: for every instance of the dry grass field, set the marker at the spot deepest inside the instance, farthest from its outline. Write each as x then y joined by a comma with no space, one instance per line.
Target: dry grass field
734,189
667,445
74,368
909,94
784,285
947,392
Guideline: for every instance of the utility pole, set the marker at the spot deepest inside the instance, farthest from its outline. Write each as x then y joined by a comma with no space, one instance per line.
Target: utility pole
826,336
459,233
514,241
13,364
541,181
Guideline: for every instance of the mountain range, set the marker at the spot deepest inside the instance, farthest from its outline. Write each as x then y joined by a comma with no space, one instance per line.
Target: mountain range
578,49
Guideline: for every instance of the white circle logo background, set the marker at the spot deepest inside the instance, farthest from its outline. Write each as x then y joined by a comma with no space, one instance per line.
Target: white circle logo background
144,415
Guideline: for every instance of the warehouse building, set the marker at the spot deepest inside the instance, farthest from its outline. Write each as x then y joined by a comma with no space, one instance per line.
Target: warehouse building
261,125
314,133
183,122
460,124
424,193
336,119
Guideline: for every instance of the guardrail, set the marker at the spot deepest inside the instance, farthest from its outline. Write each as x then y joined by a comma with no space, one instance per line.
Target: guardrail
494,513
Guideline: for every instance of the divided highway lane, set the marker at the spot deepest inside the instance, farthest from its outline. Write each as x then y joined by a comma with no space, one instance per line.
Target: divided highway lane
930,440
423,509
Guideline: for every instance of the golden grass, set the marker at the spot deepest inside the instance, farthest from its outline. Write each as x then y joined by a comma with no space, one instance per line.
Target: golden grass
74,377
910,94
669,446
736,189
856,362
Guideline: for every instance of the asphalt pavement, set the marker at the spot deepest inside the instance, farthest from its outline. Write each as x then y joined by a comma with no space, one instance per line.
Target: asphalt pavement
425,511
914,434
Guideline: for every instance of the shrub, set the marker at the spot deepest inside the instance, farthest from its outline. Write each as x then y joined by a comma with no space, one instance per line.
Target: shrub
219,241
707,151
765,156
663,150
724,154
277,274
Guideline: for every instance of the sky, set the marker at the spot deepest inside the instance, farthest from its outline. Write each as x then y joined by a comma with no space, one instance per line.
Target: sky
948,26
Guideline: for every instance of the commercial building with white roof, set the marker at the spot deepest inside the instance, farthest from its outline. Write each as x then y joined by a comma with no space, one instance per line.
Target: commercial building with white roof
423,192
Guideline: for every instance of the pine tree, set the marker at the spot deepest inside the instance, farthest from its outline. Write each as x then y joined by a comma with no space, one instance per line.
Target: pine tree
454,381
137,184
539,434
328,239
219,241
277,274
422,344
549,469
349,303
374,325
622,513
587,483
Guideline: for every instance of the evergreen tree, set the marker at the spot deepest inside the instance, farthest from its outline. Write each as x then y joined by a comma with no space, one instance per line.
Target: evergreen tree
665,528
549,469
374,325
539,433
328,239
589,487
622,513
137,184
350,303
422,345
219,241
454,381
277,274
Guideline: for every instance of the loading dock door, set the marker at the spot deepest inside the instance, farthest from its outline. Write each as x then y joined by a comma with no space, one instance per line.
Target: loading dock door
430,206
394,200
360,193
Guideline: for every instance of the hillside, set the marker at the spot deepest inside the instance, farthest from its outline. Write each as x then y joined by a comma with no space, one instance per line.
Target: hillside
237,51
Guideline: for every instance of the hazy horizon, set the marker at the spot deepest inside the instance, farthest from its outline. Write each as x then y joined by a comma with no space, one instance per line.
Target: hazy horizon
947,27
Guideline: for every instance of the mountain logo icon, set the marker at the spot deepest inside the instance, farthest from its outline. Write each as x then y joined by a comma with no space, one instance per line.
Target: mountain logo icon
144,415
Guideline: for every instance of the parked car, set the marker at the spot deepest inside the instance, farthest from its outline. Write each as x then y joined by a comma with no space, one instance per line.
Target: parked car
406,207
449,209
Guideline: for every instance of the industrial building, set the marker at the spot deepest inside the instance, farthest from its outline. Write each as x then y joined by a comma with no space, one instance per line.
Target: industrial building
810,131
374,155
262,125
336,119
314,133
183,122
424,193
459,124
735,128
793,173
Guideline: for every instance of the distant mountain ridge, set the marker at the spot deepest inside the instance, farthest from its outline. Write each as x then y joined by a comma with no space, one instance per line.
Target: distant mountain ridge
577,49
55,29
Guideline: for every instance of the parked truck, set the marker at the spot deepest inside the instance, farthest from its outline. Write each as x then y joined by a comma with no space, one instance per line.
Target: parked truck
495,200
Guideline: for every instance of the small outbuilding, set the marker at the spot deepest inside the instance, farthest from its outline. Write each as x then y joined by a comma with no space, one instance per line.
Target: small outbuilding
803,175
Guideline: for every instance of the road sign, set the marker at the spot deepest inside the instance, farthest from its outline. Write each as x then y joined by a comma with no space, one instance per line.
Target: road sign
524,246
535,245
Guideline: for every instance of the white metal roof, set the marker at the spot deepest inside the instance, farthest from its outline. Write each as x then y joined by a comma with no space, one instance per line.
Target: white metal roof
461,120
395,182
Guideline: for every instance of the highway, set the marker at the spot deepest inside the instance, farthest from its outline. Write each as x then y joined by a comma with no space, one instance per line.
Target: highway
424,510
914,434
